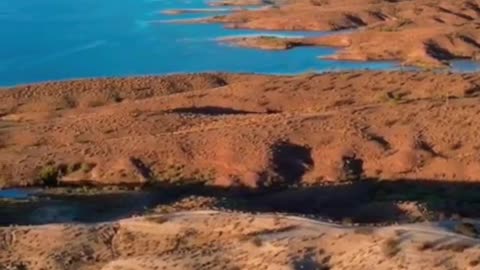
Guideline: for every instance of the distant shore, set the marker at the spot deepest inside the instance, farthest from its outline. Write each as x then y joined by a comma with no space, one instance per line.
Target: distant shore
417,33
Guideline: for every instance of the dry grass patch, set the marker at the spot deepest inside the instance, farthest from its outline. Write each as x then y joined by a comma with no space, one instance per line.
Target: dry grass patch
391,247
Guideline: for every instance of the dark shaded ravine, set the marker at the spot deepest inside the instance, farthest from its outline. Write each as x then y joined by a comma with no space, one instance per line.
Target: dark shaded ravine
362,202
44,208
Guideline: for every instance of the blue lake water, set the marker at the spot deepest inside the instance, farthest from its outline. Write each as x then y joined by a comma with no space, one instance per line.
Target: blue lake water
64,39
52,39
15,194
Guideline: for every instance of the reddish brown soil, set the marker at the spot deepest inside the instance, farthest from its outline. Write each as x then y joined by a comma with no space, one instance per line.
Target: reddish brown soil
253,130
305,15
423,33
218,241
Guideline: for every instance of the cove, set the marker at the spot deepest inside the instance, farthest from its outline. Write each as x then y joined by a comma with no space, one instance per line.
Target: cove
56,40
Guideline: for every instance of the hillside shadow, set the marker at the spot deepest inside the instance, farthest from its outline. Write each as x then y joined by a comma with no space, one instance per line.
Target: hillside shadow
212,111
291,161
375,201
363,201
81,207
309,262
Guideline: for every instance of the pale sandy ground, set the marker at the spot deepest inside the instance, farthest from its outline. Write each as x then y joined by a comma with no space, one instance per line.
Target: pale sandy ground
221,240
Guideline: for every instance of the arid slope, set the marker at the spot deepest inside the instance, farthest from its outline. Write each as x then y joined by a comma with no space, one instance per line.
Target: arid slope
215,240
251,130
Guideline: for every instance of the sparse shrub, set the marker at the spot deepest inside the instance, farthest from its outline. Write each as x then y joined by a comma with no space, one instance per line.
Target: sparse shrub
116,97
426,246
392,98
65,169
474,262
86,167
467,229
72,168
69,102
404,21
257,241
208,176
16,266
458,246
352,168
95,103
318,2
390,247
48,175
190,232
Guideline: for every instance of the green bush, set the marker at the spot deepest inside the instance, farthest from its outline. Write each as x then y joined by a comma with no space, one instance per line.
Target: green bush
48,175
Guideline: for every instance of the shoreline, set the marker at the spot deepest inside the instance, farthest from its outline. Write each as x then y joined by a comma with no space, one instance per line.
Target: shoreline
430,43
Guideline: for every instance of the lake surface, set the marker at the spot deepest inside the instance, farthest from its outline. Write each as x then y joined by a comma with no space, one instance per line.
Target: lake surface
64,39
